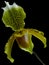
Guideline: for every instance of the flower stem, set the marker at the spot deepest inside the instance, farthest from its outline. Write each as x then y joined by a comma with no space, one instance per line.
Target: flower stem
39,58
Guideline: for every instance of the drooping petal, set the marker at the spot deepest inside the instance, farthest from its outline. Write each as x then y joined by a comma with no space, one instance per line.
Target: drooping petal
8,48
39,35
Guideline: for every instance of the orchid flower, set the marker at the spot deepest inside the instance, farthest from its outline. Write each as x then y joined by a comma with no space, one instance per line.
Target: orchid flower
13,17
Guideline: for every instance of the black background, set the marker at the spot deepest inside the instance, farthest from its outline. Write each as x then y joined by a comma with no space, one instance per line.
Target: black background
37,16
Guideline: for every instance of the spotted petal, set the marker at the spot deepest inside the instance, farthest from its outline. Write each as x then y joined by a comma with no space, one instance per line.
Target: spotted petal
13,16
